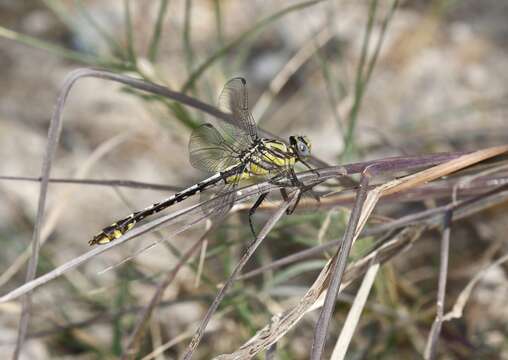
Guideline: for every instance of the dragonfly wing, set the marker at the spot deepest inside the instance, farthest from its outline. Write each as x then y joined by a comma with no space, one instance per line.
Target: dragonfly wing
234,100
209,151
216,145
217,202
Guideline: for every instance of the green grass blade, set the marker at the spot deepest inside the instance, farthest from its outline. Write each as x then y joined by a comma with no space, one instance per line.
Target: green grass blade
51,48
154,43
187,47
128,32
384,26
218,22
359,84
59,10
296,270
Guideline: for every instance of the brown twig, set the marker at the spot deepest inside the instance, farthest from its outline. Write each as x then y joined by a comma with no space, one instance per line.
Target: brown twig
431,348
337,269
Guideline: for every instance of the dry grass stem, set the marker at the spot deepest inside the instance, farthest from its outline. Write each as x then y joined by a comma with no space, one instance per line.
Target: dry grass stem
431,348
342,344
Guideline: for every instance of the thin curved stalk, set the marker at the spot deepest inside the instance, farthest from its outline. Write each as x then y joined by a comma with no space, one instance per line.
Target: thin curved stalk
338,267
112,183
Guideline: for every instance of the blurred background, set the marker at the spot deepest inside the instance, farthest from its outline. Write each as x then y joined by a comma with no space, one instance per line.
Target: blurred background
432,79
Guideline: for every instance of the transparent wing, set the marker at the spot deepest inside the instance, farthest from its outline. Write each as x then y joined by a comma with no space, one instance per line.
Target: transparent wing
216,204
216,145
234,100
218,201
209,151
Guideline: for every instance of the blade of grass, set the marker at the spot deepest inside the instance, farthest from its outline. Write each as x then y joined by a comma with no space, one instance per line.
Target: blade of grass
202,258
359,83
293,271
431,348
218,22
111,183
60,11
338,266
339,352
51,48
377,50
363,75
187,42
157,31
458,308
129,37
282,322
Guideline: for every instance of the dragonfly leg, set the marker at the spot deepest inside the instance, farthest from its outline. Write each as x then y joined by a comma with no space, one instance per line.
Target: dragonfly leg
294,179
253,209
285,196
309,167
278,180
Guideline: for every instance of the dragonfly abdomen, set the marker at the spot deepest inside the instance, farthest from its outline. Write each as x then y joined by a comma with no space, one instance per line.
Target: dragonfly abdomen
120,227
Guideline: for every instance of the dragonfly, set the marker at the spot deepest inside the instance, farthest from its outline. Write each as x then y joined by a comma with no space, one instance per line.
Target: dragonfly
234,152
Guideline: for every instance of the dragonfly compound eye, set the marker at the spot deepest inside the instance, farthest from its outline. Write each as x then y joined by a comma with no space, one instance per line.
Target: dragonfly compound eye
303,149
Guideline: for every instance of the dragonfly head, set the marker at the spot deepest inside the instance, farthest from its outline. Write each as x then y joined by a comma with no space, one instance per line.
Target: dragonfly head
301,146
